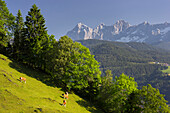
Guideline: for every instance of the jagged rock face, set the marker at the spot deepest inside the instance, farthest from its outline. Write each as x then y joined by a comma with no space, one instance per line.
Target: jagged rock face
98,31
123,32
81,31
120,26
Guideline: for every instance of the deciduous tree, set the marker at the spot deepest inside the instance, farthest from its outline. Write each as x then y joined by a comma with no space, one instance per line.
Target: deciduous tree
75,66
152,101
117,92
146,100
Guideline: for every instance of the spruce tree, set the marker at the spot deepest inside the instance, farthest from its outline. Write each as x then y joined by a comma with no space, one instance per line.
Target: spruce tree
35,36
18,36
48,54
6,23
106,88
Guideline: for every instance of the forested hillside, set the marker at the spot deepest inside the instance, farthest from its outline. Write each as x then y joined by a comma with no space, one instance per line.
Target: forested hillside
133,60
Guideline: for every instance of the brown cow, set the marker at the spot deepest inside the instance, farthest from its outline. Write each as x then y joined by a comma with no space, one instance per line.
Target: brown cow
22,79
64,103
65,95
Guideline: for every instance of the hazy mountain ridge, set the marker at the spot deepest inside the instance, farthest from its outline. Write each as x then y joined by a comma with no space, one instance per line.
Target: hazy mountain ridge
122,31
128,45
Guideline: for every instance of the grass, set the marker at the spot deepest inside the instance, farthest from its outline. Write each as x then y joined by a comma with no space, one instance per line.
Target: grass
166,70
34,96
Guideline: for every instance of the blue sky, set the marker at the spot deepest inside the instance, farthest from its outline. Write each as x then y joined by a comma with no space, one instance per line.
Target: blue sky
62,15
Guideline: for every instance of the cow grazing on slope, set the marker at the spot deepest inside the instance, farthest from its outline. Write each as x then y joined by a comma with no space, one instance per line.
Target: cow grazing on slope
65,95
22,79
64,103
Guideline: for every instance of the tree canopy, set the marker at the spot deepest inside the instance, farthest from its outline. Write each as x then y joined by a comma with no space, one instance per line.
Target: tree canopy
121,95
152,101
116,92
6,25
75,66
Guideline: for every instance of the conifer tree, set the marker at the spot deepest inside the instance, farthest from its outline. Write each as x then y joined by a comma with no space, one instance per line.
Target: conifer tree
106,88
48,54
35,36
6,23
18,36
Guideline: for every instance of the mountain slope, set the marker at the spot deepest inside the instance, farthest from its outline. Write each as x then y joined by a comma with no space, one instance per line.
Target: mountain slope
34,96
163,45
132,59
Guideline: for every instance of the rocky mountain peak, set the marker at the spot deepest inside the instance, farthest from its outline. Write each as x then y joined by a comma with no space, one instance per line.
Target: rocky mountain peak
121,22
100,26
124,32
81,26
120,25
144,23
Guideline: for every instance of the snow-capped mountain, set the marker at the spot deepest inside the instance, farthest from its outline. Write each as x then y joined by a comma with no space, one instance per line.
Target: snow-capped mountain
122,31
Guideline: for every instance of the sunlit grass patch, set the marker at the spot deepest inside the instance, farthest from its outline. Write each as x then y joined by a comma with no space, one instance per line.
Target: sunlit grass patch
34,95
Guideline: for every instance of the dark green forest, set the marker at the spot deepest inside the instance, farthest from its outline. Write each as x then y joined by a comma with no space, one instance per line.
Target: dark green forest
106,74
133,60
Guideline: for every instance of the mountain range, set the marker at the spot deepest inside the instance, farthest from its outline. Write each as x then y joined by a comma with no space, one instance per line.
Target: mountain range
122,31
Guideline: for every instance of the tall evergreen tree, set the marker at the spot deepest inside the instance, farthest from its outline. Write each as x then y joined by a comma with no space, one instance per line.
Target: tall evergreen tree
35,36
18,36
6,23
48,54
106,88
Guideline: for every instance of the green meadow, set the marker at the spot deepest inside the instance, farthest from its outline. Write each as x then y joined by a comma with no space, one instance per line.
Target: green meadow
166,70
34,95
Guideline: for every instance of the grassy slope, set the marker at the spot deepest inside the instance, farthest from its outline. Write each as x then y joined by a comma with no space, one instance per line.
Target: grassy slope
166,70
34,95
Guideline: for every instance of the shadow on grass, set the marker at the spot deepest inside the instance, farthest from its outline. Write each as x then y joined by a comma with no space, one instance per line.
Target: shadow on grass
88,107
61,104
62,96
34,73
